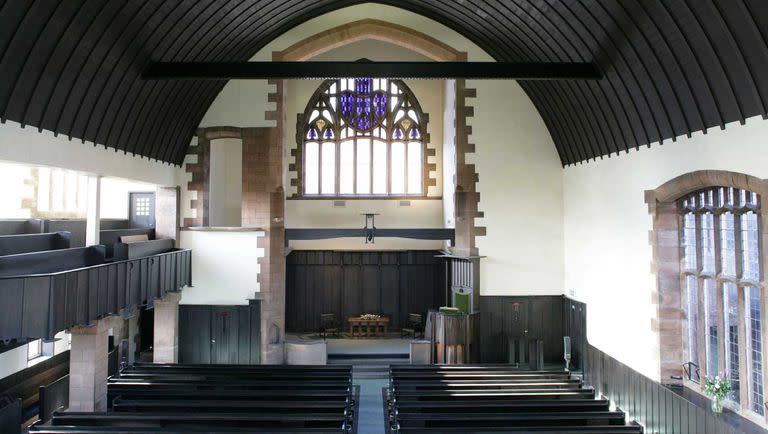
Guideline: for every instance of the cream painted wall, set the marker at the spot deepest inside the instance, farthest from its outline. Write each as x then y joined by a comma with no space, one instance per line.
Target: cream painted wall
520,174
224,266
226,185
607,249
26,145
114,196
521,193
13,361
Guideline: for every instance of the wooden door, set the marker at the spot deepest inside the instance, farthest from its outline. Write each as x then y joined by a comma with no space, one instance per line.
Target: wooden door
224,335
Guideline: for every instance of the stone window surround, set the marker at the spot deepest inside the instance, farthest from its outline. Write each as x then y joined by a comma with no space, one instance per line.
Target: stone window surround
427,151
669,320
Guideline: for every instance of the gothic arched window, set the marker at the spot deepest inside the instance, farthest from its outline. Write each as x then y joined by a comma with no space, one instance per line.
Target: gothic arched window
363,137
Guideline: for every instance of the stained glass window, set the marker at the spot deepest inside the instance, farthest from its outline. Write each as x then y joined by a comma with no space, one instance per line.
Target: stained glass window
363,137
720,265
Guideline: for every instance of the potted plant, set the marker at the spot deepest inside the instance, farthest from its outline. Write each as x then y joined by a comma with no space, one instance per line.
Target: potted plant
717,387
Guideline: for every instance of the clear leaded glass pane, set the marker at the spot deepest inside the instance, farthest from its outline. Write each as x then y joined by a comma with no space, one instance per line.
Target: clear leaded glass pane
414,167
731,313
346,167
707,243
750,246
398,168
710,323
689,241
693,318
328,167
312,168
727,244
754,348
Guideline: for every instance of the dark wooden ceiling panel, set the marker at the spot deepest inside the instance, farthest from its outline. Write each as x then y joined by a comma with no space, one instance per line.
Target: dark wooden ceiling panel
670,67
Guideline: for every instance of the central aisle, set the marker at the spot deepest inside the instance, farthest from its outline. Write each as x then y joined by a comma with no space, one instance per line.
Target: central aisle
371,407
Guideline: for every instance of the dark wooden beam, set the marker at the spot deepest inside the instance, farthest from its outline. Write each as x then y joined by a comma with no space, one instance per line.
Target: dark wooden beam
324,70
323,234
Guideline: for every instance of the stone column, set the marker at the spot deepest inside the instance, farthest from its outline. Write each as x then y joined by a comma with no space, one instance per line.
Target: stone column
133,331
166,339
263,207
93,214
88,367
119,333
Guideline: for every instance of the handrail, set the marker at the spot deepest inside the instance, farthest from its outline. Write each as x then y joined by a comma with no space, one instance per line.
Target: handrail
105,264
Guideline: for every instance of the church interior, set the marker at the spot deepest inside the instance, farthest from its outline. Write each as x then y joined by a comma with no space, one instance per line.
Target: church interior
391,216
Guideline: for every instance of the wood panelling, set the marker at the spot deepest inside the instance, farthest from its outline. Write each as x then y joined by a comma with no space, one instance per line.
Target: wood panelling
532,317
351,283
220,334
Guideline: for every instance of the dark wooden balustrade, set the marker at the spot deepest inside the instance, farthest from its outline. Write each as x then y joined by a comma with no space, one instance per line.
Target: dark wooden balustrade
44,293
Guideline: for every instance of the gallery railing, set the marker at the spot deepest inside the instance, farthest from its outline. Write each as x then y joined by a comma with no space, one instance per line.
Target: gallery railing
36,306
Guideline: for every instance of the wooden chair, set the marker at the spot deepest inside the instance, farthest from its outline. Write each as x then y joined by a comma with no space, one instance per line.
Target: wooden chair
328,324
413,326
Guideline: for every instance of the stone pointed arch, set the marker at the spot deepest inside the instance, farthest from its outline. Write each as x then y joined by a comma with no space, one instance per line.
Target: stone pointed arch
365,29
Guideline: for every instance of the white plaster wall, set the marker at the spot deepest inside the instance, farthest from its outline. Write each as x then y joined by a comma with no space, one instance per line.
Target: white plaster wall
520,174
26,145
521,193
226,184
114,196
224,266
449,152
13,361
607,249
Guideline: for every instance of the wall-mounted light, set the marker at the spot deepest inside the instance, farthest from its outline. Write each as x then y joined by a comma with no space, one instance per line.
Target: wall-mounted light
370,231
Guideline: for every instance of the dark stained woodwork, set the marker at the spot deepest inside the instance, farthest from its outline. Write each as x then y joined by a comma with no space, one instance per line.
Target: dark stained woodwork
46,292
220,334
669,68
352,283
399,70
528,317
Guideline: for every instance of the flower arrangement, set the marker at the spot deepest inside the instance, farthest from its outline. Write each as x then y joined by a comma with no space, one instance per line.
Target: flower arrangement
369,317
718,387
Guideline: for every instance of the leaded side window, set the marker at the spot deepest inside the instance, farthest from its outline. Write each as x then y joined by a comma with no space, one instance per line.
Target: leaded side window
363,137
720,263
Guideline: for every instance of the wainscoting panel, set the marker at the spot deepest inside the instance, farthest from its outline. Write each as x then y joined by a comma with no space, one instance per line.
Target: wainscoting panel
351,283
219,334
532,317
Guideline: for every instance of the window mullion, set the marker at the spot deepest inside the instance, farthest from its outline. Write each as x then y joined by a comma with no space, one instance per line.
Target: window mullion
370,164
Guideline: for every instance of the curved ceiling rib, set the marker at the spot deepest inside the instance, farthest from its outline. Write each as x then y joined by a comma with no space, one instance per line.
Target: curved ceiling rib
670,67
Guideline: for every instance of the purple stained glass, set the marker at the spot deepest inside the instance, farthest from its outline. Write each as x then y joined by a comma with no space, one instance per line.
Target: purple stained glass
367,106
328,134
380,104
414,133
312,133
363,85
398,133
346,104
359,104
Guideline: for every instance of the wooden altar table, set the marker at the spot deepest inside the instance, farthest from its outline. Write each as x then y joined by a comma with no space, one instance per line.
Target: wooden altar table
368,327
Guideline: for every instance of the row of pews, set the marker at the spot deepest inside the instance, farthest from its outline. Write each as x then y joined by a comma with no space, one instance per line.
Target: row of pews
149,398
493,399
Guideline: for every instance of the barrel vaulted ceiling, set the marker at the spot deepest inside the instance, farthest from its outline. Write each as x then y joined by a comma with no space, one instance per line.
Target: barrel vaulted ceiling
670,67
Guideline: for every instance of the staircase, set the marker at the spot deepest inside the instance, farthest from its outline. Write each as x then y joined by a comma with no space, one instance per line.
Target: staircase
368,366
